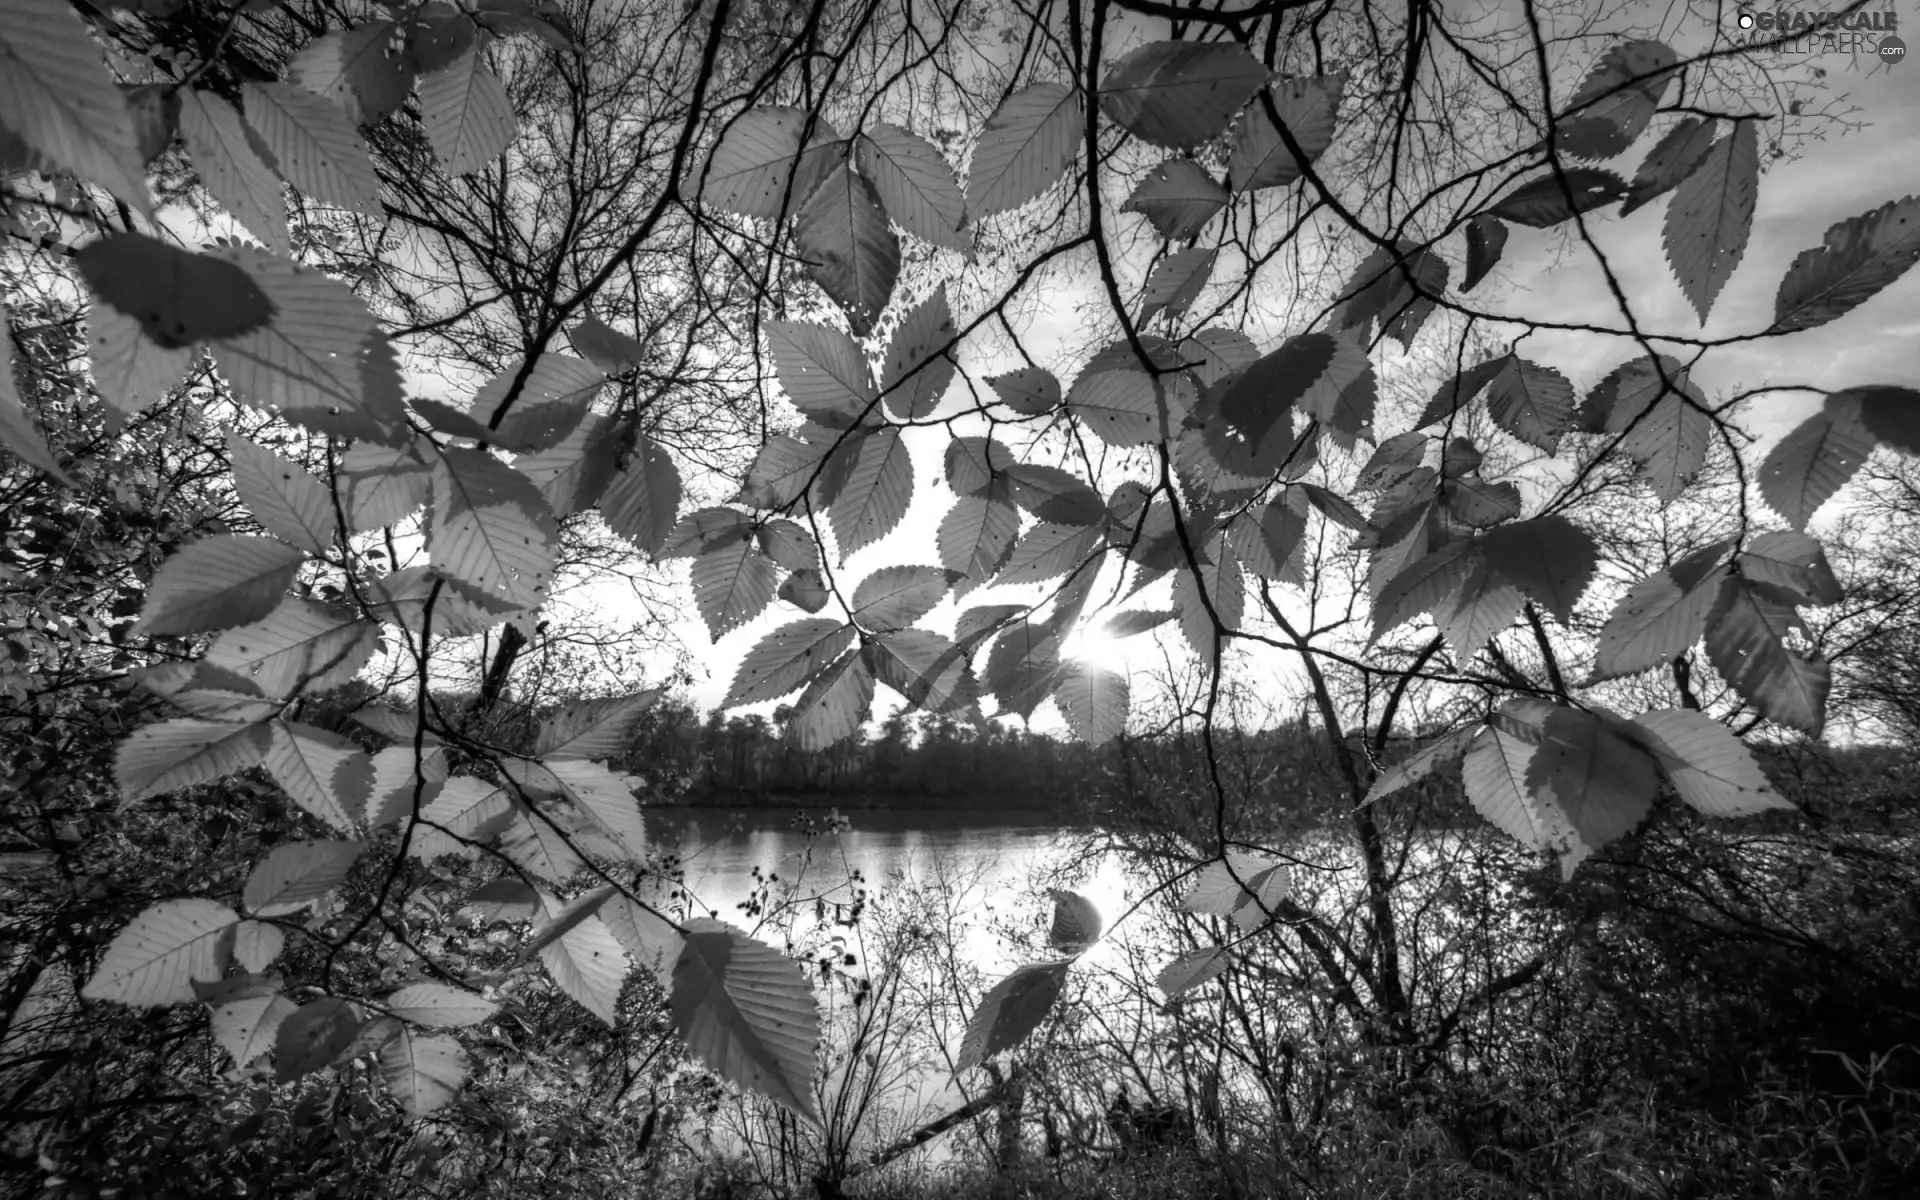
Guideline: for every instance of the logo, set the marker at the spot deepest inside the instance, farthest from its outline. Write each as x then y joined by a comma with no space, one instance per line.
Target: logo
1793,31
1892,49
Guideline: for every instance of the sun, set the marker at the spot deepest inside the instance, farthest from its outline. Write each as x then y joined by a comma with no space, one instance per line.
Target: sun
1091,643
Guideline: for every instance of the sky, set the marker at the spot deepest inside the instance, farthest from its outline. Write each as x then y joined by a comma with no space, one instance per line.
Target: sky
1798,200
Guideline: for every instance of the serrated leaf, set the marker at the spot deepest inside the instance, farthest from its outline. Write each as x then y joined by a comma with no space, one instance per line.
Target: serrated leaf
1495,773
302,646
1486,239
1672,159
1423,586
397,779
1709,767
1602,782
1391,461
877,492
509,900
600,728
1711,214
1891,414
652,940
130,369
552,402
1175,283
1792,561
1178,197
1193,969
642,500
1816,459
1747,643
382,485
464,810
231,166
314,145
179,753
927,669
752,168
293,505
748,1013
1133,621
1030,391
354,69
587,963
247,1028
1460,391
1858,259
705,529
977,624
915,183
918,370
896,597
154,961
1274,546
1616,101
491,528
1544,202
1026,145
1425,762
459,610
606,347
1224,586
1180,94
1484,606
1549,558
806,590
58,97
1258,405
789,544
976,537
732,584
566,918
217,583
787,658
1076,922
843,237
1216,354
308,762
1022,665
1258,157
423,1073
1048,549
1245,885
1093,699
1531,402
1010,1011
312,1036
1335,507
972,464
1659,618
468,118
17,430
1052,494
822,370
834,704
296,874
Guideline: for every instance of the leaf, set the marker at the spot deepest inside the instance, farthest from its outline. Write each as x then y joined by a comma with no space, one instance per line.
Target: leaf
748,1013
1616,102
977,624
17,430
787,658
1747,643
296,874
1258,405
423,1073
1011,1010
1660,617
58,98
972,463
1076,922
877,492
224,152
217,583
606,347
1670,442
321,362
1274,547
1544,202
896,597
1495,773
1093,700
1891,414
1792,561
926,668
1428,760
354,69
1531,402
302,646
247,1028
552,401
154,961
508,900
566,918
312,1036
1549,558
1175,282
491,528
130,369
1601,781
1709,767
1707,223
1193,969
642,500
1672,159
1026,145
1052,494
165,757
1180,94
703,530
1257,156
397,779
593,728
731,585
834,704
915,183
918,370
805,590
468,118
381,485
788,544
308,763
314,145
843,237
1816,459
1461,390
1029,391
650,938
1049,549
822,370
1486,238
1484,606
1245,885
459,610
1858,259
1423,586
752,168
464,810
976,537
1336,508
290,503
588,964
1178,198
